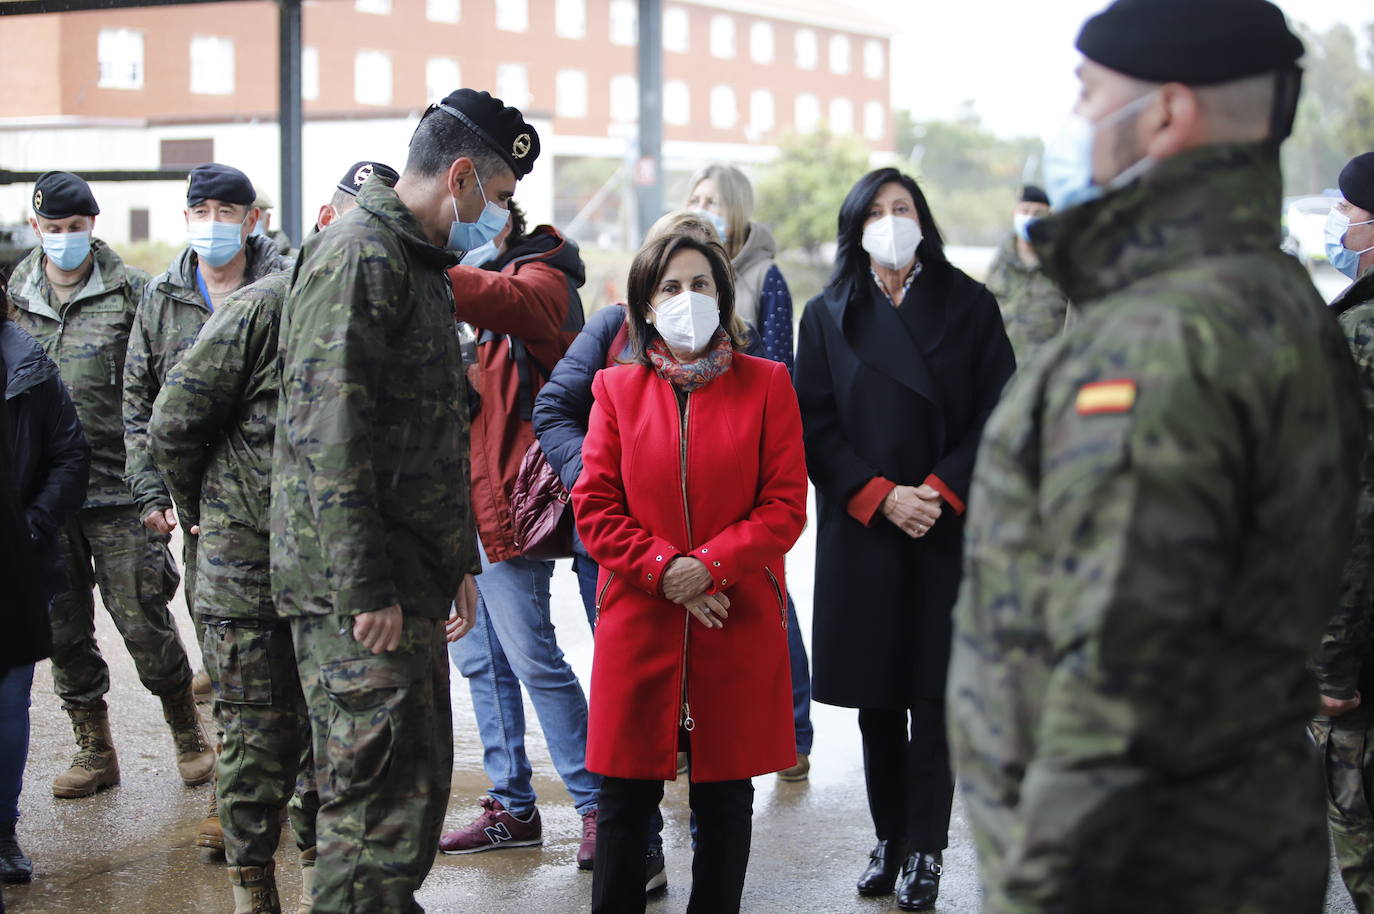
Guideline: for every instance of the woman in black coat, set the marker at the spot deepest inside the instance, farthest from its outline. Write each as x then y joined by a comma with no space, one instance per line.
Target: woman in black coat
44,465
900,360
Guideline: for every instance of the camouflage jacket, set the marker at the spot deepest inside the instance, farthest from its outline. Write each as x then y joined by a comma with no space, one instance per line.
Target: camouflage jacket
87,338
1034,310
1345,661
169,317
1156,529
370,497
211,437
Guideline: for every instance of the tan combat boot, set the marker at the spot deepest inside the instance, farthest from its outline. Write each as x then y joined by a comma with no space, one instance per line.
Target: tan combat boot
255,889
195,758
209,834
95,765
307,903
200,688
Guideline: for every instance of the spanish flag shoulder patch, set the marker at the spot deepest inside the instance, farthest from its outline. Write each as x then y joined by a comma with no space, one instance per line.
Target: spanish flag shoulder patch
1114,396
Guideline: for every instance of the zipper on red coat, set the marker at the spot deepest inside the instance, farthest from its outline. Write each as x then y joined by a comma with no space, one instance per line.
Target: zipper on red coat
777,592
602,596
685,722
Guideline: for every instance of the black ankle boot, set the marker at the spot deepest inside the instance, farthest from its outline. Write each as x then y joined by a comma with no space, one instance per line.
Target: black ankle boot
919,883
881,875
14,866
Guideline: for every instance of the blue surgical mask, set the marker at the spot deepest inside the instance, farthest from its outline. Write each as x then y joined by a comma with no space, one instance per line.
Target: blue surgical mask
480,256
1020,223
469,236
67,250
717,222
1069,158
216,243
1343,259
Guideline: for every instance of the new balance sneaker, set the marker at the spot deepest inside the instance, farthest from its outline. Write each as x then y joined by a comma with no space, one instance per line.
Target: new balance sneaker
586,851
655,876
494,829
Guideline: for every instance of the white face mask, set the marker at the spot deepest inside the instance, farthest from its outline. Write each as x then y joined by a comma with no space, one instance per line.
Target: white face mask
892,241
687,321
1020,224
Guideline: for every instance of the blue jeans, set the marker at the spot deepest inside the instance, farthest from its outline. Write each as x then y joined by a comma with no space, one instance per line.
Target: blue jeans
512,642
15,686
586,568
801,681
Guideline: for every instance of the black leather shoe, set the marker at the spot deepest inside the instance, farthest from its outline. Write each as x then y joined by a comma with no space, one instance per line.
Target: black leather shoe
881,875
918,885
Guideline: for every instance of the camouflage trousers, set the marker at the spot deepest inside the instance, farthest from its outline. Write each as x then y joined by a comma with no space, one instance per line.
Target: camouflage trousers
1347,750
110,548
265,762
188,589
383,743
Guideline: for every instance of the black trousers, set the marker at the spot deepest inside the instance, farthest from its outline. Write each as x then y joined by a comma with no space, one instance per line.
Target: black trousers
907,770
724,812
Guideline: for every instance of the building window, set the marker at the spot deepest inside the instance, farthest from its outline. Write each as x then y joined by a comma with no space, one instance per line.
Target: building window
570,93
443,10
676,30
808,50
624,98
512,15
806,115
442,76
761,42
842,115
377,7
310,74
570,19
185,153
874,59
372,78
722,37
875,121
762,117
724,114
624,23
677,103
212,65
513,84
138,224
839,54
120,52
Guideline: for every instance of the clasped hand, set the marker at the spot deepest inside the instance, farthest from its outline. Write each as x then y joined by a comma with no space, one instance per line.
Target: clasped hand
685,583
914,509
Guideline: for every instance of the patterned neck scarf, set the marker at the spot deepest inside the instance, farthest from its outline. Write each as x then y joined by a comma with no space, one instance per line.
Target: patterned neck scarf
690,376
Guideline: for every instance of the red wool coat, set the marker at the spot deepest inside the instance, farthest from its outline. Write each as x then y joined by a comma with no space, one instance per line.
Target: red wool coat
735,498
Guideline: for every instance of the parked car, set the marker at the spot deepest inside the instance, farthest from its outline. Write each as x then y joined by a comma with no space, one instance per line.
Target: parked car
1304,222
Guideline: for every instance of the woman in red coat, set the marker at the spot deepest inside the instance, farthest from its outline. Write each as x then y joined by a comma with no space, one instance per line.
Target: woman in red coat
692,491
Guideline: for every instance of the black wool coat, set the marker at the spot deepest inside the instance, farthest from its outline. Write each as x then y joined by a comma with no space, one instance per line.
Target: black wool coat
902,394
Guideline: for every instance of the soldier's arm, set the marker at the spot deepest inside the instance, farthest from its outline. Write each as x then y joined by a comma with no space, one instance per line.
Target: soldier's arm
140,390
1138,494
333,360
196,404
1347,640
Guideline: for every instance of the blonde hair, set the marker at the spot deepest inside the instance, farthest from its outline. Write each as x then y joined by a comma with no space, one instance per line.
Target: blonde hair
736,196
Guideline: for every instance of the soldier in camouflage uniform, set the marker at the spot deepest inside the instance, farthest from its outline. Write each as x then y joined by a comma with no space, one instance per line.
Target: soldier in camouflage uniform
1034,309
211,436
1344,731
77,298
1162,503
372,528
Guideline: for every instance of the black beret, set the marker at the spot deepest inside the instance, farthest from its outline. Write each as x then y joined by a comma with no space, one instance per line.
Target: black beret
1032,194
1194,42
501,127
359,172
1357,181
59,194
219,182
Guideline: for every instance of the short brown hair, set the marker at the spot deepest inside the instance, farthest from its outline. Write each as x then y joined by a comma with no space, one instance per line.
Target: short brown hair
646,270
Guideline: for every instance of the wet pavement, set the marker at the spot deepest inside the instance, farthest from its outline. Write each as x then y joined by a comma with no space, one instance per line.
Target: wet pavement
132,848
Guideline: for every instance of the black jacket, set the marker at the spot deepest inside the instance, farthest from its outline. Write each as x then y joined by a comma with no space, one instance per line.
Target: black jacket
48,467
564,405
902,394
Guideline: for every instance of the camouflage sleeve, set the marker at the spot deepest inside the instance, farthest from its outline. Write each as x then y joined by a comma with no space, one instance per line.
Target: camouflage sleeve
1138,494
198,399
333,356
140,390
1347,640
